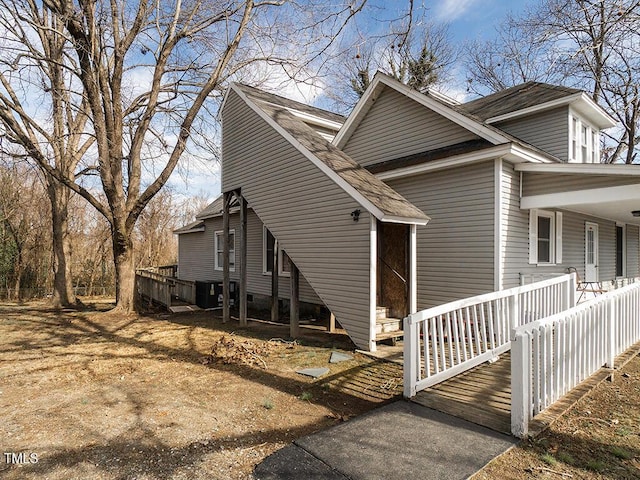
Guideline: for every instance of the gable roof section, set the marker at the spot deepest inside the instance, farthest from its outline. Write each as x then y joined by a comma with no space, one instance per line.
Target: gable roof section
522,150
532,97
373,194
212,210
448,110
517,98
307,113
193,227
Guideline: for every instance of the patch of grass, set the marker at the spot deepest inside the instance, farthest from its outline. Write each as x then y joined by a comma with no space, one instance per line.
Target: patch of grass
595,465
621,453
565,457
623,432
268,404
549,459
306,396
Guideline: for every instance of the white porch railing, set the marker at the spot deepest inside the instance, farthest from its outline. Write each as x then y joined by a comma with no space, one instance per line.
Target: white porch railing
551,356
446,340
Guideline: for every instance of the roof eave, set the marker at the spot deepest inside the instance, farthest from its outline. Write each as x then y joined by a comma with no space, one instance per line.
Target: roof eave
580,101
582,168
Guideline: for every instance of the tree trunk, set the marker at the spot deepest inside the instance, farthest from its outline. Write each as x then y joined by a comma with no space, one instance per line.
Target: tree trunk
63,294
125,269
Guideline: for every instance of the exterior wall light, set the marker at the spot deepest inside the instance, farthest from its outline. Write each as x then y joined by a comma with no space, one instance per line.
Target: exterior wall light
356,214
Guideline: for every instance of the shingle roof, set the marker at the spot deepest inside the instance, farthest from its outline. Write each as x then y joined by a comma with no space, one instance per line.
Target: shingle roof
292,104
211,210
383,197
198,225
516,98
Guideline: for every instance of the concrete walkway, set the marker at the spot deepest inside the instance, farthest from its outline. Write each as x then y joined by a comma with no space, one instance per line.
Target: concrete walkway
398,441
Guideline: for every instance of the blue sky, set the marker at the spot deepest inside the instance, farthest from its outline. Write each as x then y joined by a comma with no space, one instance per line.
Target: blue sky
467,20
474,19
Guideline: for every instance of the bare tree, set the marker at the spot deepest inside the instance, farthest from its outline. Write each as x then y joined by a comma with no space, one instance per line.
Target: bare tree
588,44
514,56
24,228
417,56
145,72
34,62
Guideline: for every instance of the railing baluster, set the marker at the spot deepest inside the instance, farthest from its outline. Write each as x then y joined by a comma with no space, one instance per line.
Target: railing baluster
443,357
434,346
424,348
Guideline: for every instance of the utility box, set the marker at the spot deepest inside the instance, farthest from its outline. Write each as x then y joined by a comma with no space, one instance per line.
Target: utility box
209,294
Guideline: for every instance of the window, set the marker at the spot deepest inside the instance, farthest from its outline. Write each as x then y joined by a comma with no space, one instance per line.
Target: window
573,155
584,142
620,250
545,237
269,243
219,249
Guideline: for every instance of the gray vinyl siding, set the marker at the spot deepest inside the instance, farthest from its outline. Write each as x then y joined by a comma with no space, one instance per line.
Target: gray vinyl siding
308,213
543,183
515,241
396,126
548,131
195,255
633,251
196,259
456,248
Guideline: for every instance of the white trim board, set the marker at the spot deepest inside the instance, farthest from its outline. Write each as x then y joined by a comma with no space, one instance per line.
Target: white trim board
582,168
581,197
509,151
605,120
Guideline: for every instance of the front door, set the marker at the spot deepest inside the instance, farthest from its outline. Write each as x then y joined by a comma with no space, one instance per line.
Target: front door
591,252
393,268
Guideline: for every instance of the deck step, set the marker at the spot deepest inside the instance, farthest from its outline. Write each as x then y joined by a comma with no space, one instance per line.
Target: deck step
382,312
386,325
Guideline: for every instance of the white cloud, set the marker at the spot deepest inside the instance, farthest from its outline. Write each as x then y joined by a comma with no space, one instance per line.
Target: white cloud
450,10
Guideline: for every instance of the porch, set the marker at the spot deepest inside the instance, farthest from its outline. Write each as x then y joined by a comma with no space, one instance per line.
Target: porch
544,352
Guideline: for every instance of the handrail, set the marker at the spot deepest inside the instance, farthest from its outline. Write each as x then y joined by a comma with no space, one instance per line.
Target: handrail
485,297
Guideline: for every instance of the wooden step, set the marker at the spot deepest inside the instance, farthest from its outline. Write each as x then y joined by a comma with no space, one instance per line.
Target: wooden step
382,312
386,325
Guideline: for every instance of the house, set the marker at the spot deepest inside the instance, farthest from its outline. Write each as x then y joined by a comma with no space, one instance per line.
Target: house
415,200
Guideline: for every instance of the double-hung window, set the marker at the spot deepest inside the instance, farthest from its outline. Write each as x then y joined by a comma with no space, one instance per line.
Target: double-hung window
219,249
545,237
584,142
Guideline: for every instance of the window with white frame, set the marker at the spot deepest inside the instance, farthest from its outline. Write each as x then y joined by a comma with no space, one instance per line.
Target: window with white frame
269,243
545,237
219,249
584,142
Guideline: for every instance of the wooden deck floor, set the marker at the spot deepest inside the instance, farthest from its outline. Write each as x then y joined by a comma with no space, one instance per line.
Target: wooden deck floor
481,395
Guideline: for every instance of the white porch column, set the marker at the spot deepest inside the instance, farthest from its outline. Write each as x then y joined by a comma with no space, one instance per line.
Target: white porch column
373,281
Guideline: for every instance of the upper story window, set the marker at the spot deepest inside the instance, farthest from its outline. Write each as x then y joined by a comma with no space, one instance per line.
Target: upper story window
584,142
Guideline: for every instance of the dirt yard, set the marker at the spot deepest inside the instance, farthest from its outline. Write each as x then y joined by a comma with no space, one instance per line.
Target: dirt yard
91,395
599,438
